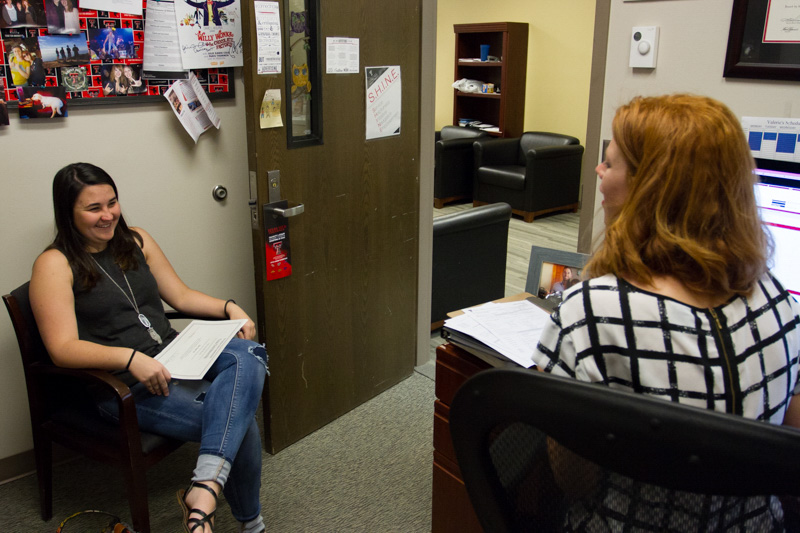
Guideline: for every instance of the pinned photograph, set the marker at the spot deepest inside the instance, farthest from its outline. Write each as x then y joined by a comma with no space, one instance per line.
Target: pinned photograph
64,50
22,14
25,61
74,79
62,16
42,102
133,78
107,44
3,113
119,80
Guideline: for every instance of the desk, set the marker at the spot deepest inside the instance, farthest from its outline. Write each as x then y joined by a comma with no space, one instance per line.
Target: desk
451,509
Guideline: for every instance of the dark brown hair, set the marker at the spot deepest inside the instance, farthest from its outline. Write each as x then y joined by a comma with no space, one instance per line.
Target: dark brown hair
67,186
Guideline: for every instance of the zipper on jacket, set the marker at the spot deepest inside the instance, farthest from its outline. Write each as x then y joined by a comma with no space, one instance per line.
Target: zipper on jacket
728,368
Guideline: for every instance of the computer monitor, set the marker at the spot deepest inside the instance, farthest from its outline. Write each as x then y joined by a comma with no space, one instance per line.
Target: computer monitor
778,200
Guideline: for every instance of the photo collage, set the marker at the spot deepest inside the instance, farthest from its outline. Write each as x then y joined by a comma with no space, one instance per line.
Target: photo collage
52,50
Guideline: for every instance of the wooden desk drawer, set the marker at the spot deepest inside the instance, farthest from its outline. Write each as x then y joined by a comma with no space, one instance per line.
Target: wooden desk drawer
453,367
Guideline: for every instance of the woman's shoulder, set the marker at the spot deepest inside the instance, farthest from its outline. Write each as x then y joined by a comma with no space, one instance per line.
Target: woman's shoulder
602,292
52,264
141,236
51,258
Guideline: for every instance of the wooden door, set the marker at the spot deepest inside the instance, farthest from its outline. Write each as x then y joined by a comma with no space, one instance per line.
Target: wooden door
342,327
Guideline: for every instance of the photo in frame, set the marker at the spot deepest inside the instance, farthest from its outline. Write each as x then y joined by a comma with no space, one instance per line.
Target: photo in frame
550,272
764,40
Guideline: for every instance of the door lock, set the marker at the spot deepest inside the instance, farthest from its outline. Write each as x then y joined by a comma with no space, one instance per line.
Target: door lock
219,193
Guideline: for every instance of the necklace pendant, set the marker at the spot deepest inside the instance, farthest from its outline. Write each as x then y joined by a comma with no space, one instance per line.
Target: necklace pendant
145,322
154,335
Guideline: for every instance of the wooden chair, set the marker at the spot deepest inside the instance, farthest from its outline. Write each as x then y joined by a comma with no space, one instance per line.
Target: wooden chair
534,449
62,411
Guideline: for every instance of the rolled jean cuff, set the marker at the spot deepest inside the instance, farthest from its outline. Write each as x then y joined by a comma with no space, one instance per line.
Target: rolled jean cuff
212,468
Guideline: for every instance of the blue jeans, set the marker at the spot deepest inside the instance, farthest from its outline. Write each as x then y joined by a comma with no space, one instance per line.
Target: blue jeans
219,413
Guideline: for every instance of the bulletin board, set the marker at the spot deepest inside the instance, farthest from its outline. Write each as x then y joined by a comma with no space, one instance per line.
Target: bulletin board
89,76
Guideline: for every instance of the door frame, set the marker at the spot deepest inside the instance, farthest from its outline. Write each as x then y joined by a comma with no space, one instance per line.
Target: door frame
427,125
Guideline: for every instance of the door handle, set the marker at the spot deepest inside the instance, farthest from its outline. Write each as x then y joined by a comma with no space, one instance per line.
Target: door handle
285,212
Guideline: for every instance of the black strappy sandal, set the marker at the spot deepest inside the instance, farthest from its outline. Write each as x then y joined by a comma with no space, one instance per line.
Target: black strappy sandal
190,524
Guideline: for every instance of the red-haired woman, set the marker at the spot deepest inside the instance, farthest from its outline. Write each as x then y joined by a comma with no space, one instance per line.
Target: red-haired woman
679,303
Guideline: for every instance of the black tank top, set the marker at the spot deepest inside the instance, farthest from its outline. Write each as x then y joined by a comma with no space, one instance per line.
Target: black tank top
105,315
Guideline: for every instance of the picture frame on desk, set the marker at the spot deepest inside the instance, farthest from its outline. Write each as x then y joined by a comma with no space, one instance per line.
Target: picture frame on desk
542,265
761,43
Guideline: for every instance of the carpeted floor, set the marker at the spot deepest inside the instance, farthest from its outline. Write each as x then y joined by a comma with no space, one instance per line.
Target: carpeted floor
368,471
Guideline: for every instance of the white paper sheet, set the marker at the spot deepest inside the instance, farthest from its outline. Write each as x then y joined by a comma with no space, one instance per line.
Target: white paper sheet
209,33
196,348
783,22
268,37
342,55
512,328
161,50
773,138
384,98
192,107
131,7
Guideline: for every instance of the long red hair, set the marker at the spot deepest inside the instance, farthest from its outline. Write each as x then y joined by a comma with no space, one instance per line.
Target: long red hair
690,212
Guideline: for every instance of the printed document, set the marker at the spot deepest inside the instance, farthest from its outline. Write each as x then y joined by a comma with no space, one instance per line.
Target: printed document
512,328
192,107
196,348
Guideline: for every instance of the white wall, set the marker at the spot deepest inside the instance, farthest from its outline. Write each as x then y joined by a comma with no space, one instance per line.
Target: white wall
692,45
165,184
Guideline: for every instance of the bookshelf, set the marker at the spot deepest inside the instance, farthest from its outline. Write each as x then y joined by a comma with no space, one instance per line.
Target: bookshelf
508,41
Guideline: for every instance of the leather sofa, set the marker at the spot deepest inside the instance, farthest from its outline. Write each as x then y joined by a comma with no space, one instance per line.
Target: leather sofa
469,259
454,164
537,173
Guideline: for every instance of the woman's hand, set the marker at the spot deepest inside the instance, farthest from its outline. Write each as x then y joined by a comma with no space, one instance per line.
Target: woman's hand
248,331
151,373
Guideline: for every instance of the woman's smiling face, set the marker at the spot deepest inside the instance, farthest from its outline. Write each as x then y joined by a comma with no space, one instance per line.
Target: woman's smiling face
95,215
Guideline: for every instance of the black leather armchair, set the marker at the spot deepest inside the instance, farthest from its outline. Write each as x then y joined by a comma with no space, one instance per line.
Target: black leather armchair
469,259
537,173
454,164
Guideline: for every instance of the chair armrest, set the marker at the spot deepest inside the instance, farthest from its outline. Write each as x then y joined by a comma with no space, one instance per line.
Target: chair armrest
105,381
173,314
492,151
437,136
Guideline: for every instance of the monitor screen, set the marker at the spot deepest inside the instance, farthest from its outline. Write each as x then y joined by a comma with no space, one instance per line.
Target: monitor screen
778,200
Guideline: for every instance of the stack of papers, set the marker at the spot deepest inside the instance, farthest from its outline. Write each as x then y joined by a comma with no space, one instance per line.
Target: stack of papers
506,330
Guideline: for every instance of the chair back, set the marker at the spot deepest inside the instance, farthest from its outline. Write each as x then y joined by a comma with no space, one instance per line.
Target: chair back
531,140
458,132
30,342
538,451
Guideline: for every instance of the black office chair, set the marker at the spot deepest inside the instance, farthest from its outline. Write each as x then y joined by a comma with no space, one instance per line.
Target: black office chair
539,452
62,411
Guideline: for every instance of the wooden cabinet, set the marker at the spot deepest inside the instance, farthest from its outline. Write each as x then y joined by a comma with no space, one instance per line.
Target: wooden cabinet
508,42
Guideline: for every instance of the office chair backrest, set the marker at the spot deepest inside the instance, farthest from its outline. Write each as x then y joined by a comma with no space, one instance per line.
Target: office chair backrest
536,450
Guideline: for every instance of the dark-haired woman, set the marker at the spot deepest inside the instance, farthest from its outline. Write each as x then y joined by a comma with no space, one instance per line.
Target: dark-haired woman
96,292
680,303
